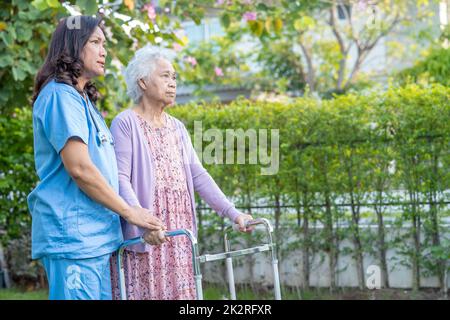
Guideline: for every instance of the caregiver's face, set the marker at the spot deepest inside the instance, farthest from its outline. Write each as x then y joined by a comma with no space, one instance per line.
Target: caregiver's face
162,83
94,55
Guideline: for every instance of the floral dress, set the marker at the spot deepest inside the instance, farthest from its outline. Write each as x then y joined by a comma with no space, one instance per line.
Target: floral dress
166,271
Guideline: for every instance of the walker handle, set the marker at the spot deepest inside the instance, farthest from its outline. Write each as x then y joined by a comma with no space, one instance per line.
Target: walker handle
253,222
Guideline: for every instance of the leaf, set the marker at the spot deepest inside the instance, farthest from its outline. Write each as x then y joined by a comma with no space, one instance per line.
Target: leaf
41,5
25,66
225,20
278,25
18,74
181,41
53,4
257,27
261,6
3,26
268,25
197,19
304,23
89,7
24,34
7,38
6,60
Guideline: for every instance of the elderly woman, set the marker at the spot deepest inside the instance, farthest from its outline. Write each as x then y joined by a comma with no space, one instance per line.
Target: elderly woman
159,170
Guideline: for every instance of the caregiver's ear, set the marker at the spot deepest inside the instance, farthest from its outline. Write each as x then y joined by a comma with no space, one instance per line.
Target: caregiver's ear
142,84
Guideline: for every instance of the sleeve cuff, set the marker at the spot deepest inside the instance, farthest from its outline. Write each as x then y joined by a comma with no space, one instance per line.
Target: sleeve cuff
232,213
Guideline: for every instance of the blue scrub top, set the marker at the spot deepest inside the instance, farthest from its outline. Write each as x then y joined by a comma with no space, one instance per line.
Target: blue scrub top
66,223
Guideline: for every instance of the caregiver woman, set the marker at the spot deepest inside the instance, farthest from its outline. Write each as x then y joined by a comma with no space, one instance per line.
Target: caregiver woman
75,208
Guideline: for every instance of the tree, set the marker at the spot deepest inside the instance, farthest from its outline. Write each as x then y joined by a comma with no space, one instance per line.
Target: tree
319,49
26,28
434,67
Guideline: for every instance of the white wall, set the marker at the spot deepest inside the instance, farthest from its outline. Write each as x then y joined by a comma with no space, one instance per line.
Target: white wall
400,276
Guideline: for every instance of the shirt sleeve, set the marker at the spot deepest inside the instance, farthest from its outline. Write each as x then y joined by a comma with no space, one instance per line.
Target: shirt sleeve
123,149
65,118
205,185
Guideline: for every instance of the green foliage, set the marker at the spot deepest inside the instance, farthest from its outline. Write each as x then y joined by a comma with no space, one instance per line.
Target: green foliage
328,150
17,173
295,43
278,61
354,149
20,294
219,53
434,68
25,32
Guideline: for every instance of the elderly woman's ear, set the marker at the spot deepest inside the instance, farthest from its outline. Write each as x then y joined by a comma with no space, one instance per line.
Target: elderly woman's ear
142,84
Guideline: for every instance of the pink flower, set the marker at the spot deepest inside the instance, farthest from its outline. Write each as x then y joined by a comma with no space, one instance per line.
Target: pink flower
222,2
150,11
218,71
177,47
361,5
191,60
249,16
104,114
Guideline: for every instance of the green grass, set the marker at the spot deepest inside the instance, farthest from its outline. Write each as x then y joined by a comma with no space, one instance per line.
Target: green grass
217,292
19,294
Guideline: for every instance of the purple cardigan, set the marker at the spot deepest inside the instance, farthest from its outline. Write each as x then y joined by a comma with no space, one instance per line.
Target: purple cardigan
136,179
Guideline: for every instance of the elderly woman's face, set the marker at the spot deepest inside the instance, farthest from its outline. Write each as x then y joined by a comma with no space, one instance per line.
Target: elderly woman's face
162,83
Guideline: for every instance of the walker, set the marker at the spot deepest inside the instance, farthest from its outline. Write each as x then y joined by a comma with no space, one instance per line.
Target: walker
227,255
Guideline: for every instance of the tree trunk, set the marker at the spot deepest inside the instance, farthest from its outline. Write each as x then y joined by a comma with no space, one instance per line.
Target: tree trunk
4,268
436,239
358,246
305,249
355,232
299,211
435,221
277,213
310,74
416,238
330,242
342,48
382,245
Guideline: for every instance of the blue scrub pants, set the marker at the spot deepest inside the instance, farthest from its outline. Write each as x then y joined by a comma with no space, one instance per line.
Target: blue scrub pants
78,279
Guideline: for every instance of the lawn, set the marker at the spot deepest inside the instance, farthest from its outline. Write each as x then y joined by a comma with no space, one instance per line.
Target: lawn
19,294
215,292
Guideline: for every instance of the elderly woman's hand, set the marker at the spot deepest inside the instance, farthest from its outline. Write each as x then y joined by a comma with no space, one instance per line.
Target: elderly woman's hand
241,220
155,237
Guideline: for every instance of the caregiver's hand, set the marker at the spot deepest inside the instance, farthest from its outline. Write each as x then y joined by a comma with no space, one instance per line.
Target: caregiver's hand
143,218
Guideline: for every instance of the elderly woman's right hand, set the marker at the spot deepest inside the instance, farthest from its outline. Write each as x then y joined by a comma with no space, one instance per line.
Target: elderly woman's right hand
143,218
155,237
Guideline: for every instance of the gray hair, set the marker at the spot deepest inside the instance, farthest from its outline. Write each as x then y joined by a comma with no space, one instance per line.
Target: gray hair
142,66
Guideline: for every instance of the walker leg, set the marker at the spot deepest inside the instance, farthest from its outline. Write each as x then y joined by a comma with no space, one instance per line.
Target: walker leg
276,280
123,292
198,286
229,263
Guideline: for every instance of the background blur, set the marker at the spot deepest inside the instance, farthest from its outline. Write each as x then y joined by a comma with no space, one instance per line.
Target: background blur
359,91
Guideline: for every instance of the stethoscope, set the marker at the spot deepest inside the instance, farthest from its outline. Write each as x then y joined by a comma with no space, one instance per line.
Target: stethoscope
102,137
